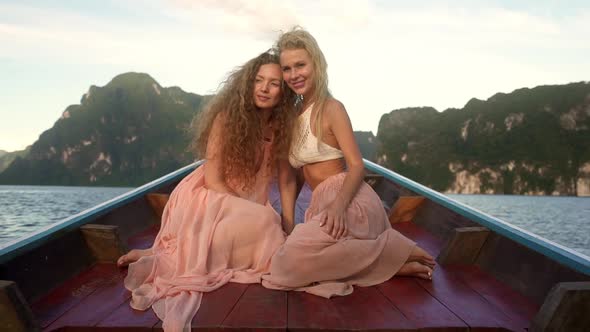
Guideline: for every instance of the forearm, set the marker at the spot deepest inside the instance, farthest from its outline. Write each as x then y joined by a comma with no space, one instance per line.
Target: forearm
352,182
288,192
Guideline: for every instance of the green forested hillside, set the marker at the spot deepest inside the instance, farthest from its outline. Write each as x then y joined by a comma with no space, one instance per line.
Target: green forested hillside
530,141
367,144
6,158
132,130
126,133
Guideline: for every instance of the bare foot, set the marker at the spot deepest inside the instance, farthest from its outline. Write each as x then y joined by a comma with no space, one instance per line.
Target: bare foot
421,256
133,256
415,269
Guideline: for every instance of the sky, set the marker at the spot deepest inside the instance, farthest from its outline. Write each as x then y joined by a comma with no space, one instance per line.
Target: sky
382,54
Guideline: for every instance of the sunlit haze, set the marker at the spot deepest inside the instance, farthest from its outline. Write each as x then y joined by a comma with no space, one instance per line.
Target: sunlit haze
382,55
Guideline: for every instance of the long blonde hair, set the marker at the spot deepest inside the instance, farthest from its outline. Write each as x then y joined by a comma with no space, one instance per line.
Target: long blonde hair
299,38
243,131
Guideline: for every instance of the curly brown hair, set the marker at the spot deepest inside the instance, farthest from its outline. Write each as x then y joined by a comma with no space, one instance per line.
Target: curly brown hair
243,132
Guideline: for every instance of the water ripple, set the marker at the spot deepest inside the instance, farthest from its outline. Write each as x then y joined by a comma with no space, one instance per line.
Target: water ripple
24,209
565,220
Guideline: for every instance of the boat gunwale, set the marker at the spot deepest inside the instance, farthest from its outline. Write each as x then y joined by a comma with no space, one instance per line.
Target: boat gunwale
45,234
555,251
566,256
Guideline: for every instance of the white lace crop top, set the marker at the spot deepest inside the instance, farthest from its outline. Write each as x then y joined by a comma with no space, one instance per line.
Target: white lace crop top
305,148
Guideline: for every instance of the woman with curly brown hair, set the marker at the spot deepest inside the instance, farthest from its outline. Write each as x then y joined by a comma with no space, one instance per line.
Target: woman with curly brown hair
346,238
218,225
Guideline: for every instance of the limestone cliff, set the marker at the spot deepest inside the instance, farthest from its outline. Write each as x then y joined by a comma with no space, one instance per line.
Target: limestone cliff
531,141
126,133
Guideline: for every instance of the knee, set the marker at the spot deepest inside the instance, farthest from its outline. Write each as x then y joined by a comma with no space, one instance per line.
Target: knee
284,265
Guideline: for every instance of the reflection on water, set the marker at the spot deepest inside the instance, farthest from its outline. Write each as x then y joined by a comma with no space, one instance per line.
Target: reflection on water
24,209
565,220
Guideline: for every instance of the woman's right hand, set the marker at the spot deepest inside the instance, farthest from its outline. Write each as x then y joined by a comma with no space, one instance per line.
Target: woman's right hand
333,221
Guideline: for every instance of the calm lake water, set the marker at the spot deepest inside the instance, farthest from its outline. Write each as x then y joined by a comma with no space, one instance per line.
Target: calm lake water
24,209
565,220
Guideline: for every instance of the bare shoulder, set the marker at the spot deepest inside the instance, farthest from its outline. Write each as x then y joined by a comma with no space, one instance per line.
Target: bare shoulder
334,108
334,105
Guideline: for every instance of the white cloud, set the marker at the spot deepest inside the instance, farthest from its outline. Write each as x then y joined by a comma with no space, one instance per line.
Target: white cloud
380,57
442,58
258,18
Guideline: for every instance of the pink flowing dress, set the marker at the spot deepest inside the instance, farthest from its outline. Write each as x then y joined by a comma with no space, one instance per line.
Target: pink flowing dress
311,260
206,240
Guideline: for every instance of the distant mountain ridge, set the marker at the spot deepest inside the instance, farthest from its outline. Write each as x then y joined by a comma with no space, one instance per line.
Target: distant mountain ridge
6,158
133,130
531,141
367,143
128,132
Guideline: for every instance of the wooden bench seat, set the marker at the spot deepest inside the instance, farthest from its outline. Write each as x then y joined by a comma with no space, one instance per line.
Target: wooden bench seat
459,298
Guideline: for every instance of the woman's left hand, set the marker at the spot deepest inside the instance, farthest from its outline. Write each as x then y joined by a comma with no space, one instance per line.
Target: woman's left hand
333,221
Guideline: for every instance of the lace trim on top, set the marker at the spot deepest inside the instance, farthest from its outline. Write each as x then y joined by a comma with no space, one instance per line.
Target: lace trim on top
305,145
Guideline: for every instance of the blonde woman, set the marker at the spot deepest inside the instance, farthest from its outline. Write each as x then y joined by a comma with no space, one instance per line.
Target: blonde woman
218,226
346,238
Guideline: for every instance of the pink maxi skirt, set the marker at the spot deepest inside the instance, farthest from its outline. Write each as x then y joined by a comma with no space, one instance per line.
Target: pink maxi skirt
311,260
206,240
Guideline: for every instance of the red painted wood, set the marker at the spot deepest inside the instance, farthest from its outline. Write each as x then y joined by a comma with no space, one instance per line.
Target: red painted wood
457,297
101,329
259,309
466,303
127,317
144,239
365,309
419,306
424,239
96,306
217,305
517,307
69,294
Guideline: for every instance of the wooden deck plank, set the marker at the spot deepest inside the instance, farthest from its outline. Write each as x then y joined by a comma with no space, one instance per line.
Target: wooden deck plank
217,305
516,306
419,306
96,306
466,303
457,298
366,309
424,239
128,318
60,300
259,309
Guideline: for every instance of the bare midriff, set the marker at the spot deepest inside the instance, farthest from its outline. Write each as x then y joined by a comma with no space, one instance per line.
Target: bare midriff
316,173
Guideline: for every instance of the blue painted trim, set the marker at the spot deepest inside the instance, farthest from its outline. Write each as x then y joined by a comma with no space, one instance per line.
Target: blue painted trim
36,239
555,251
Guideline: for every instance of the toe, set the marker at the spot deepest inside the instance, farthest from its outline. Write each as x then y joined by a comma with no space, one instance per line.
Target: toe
124,260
